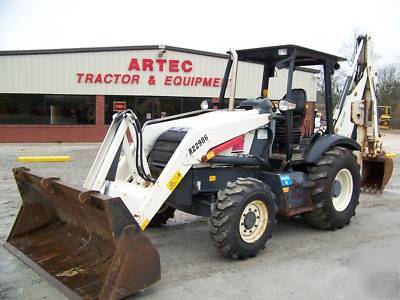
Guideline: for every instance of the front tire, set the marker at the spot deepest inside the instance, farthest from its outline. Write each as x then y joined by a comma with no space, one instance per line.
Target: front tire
243,218
336,190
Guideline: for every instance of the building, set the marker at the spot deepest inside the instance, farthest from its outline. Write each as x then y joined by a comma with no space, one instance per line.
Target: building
70,95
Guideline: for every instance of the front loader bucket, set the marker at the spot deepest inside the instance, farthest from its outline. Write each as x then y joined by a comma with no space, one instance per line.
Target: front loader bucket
376,173
85,243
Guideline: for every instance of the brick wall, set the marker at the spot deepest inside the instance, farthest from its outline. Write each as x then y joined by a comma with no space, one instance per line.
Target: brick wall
57,133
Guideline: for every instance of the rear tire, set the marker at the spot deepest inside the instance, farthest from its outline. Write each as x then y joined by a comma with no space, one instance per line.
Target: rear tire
243,218
166,212
336,191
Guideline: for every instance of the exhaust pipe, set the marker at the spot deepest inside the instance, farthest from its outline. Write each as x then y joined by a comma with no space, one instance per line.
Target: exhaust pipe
229,75
232,91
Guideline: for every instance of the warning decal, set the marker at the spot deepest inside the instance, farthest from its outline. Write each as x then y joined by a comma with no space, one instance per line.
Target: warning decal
174,181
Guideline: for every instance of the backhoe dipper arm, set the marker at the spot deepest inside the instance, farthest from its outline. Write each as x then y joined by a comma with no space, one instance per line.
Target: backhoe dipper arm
351,112
356,117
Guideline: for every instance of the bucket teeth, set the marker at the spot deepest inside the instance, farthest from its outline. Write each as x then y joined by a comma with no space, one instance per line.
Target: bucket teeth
371,190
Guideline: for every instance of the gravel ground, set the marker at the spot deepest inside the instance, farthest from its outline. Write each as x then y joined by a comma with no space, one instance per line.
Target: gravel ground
360,261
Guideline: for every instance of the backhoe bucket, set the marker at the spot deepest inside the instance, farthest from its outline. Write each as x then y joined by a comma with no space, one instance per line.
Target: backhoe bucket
376,173
85,243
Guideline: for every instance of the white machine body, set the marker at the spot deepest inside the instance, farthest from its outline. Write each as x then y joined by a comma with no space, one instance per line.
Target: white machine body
204,131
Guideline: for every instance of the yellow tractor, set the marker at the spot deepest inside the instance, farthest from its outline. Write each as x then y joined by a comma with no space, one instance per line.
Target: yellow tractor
384,117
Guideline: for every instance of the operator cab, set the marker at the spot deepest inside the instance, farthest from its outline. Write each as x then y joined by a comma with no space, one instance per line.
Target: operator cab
292,133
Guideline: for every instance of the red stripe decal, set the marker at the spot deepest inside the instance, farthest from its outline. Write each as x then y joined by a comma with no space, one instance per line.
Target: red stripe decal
236,143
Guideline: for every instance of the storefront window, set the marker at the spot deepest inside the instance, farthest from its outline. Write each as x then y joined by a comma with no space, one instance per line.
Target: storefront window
191,104
39,109
147,108
128,101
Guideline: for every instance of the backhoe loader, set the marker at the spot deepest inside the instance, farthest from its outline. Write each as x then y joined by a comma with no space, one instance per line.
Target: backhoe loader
241,167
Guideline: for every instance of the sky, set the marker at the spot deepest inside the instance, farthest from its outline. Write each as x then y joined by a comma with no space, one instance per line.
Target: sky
209,25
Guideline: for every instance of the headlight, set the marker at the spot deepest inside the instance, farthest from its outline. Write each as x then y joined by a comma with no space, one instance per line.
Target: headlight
282,52
204,104
285,105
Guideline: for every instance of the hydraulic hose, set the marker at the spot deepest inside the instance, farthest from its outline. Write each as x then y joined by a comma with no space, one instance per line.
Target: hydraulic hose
139,149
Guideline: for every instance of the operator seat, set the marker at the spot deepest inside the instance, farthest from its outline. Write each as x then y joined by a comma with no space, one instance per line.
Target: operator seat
299,97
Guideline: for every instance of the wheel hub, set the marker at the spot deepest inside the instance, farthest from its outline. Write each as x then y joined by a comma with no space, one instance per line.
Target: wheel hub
253,221
336,189
250,220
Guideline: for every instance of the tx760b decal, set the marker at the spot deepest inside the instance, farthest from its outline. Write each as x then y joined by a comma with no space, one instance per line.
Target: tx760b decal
198,144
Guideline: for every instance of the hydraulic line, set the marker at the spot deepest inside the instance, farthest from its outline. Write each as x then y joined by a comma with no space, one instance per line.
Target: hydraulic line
139,149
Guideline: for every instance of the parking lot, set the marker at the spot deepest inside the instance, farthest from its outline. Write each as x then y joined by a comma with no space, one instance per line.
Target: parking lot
360,261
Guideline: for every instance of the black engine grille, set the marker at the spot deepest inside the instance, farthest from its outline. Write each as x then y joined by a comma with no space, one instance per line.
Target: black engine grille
165,147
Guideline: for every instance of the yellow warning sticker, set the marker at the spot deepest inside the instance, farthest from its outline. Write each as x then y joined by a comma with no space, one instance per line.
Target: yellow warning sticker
145,223
174,181
285,190
212,178
210,155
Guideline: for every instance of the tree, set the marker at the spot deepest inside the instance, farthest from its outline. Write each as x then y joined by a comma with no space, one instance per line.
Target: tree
338,80
388,76
389,84
348,51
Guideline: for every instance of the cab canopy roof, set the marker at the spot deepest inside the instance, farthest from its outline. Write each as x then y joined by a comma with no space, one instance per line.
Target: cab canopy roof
271,55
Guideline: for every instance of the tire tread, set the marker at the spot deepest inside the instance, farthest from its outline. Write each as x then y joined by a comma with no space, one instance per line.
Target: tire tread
223,210
319,217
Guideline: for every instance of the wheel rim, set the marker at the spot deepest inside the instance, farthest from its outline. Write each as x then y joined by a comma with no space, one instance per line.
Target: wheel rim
253,221
342,190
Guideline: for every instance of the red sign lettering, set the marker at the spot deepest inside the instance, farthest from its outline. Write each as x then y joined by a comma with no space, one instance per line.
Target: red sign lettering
174,65
106,78
80,75
89,78
134,65
167,80
147,64
119,105
187,66
98,79
152,65
216,82
207,81
161,63
135,79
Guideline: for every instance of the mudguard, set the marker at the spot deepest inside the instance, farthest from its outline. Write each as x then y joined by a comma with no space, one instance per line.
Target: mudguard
324,142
